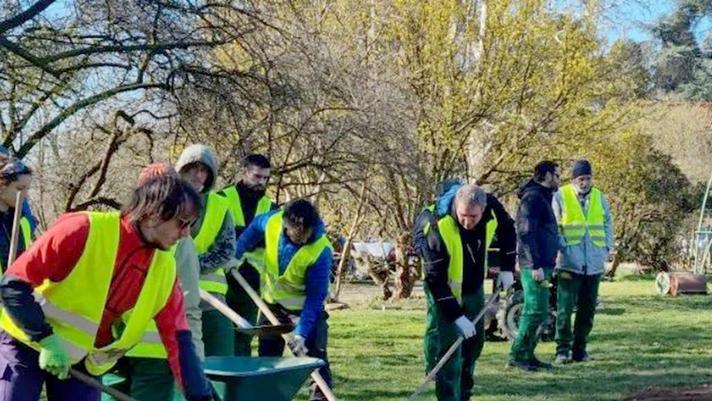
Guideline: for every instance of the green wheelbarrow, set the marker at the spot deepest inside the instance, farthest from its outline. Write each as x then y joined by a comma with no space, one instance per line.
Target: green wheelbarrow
260,379
255,379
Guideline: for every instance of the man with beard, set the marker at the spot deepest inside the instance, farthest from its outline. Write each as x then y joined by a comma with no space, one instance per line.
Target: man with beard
587,229
537,247
247,200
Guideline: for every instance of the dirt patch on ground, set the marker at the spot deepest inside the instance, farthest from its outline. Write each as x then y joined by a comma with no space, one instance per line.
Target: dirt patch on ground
703,393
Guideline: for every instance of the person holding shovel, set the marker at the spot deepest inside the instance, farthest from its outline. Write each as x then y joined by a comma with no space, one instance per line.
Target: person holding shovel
587,232
463,224
537,247
247,200
295,278
214,236
145,368
86,290
15,177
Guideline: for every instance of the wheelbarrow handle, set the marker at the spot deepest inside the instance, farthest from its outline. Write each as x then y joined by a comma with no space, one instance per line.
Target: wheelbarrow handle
92,382
262,306
424,384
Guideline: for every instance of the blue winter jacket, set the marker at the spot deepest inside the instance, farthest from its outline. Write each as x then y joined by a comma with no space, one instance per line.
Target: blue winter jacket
317,281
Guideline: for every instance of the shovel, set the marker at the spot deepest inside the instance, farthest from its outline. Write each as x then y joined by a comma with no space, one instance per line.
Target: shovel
424,385
243,326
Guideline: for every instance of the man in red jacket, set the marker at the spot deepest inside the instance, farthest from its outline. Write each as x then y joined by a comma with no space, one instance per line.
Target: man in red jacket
33,345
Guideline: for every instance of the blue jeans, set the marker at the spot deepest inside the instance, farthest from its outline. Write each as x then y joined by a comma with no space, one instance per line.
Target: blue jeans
21,378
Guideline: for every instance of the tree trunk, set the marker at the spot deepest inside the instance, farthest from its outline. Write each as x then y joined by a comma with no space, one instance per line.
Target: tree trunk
406,275
379,273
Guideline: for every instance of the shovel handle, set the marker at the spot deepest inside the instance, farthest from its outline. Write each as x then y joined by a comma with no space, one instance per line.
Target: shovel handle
225,310
315,375
92,382
424,384
15,236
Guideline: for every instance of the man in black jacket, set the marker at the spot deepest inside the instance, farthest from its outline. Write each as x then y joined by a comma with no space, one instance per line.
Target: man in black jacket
247,200
537,247
458,229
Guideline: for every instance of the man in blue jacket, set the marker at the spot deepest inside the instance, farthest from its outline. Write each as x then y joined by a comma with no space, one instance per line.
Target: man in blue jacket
295,277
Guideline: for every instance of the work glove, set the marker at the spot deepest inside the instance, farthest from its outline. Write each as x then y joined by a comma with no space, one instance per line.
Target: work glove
53,357
505,279
298,345
467,329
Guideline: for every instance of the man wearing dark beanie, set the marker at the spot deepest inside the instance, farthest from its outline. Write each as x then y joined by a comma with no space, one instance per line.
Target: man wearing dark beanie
586,228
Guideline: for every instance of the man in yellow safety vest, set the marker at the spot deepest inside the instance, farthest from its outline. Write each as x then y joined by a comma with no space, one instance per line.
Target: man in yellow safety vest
586,229
214,236
247,200
463,223
295,277
85,292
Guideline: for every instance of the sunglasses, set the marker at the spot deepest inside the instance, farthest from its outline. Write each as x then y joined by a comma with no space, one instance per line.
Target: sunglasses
185,223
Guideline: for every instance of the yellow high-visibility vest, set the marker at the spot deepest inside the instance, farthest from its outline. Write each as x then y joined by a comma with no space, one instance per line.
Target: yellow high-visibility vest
26,233
74,306
450,233
288,289
216,208
264,205
574,224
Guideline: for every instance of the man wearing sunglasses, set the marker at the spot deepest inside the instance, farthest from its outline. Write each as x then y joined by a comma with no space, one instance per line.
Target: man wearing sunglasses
84,293
247,200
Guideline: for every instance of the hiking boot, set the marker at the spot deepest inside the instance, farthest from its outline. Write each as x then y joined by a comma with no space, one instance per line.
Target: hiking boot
581,357
539,364
562,359
521,365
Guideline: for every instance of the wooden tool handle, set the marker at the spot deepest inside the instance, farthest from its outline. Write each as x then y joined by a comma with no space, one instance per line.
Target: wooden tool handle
15,229
225,310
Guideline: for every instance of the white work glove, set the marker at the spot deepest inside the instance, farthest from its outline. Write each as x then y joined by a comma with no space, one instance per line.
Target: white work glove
298,345
465,326
505,279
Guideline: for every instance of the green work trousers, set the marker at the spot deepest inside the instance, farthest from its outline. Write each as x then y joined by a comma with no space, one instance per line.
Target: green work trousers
455,380
145,379
238,300
218,334
535,313
575,290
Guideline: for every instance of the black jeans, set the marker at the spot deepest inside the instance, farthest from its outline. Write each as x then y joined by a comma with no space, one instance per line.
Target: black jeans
316,344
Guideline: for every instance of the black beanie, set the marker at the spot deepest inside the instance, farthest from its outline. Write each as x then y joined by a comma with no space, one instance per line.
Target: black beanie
581,167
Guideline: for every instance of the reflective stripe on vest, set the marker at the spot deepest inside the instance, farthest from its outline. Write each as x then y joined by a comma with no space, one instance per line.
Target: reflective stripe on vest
74,306
216,208
26,232
450,233
264,205
289,288
573,223
150,345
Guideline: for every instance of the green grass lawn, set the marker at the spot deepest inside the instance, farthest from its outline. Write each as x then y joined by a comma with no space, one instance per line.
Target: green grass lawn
639,340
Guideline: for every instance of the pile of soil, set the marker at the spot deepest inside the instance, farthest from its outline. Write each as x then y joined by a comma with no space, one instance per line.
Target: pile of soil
703,393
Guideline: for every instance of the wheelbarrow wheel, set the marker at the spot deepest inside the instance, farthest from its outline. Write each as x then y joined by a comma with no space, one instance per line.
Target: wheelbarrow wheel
508,318
508,315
